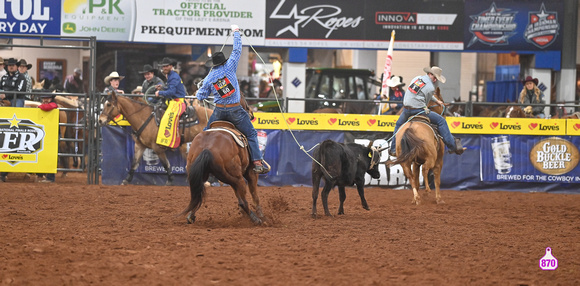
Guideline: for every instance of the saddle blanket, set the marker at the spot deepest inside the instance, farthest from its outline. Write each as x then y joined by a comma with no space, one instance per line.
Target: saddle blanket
168,134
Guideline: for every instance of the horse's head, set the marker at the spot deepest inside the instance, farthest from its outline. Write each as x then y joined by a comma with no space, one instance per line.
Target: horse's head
39,84
246,107
434,106
514,112
110,109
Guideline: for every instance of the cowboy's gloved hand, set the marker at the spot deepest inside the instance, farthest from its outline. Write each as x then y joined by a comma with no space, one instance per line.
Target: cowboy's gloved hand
427,110
528,109
235,28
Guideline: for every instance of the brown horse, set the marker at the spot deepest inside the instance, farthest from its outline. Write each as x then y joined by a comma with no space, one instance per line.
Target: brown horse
215,151
515,111
419,145
139,115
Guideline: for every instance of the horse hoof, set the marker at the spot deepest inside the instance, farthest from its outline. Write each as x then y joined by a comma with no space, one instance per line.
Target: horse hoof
314,216
190,219
366,208
124,183
207,184
169,183
440,202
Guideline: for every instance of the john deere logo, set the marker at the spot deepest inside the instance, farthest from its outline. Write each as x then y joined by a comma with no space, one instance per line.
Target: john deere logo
69,27
554,156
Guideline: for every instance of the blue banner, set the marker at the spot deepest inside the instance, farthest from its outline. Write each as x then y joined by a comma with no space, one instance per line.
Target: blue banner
513,25
538,159
30,17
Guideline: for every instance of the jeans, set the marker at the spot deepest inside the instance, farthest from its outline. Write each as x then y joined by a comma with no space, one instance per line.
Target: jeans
240,118
17,101
435,119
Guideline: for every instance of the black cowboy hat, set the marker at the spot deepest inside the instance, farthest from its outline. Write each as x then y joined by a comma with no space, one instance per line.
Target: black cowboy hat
529,78
167,61
218,58
146,69
11,61
47,95
23,62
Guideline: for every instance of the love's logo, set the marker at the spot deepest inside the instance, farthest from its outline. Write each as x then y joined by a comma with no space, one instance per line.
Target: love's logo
331,121
290,120
533,126
576,126
493,125
371,122
454,124
4,156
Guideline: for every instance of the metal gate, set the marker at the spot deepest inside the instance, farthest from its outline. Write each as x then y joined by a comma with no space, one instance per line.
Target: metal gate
88,109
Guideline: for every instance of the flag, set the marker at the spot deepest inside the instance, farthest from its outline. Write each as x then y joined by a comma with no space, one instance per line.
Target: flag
387,75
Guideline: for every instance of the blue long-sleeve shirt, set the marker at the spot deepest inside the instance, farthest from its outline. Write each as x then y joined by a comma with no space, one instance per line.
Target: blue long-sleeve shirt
222,81
174,87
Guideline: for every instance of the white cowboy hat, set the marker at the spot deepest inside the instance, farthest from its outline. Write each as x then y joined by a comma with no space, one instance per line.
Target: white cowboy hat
112,76
437,72
395,81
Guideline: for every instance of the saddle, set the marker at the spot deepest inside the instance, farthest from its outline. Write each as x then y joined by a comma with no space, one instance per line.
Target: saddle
425,119
228,127
187,119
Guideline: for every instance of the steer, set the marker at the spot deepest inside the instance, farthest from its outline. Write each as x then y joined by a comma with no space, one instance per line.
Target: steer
342,165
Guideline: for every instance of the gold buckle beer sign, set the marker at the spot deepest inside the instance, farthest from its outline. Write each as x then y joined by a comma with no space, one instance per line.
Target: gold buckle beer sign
554,156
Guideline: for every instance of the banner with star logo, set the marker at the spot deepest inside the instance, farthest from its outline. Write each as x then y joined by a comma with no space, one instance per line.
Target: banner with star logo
28,140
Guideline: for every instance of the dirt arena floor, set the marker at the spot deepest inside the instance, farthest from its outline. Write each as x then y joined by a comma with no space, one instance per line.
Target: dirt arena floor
71,233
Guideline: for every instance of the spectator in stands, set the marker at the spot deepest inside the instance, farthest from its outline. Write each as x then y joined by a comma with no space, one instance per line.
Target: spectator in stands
138,90
152,80
2,67
13,81
112,81
396,86
23,68
48,104
531,94
73,82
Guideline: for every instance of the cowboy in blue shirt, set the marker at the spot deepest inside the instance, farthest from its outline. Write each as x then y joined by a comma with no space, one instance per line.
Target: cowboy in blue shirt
222,83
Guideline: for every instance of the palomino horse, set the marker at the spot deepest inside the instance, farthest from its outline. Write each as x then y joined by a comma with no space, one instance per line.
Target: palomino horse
419,145
140,115
215,152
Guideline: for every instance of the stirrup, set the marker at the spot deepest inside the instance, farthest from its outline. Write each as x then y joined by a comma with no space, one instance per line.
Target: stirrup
262,169
393,153
459,149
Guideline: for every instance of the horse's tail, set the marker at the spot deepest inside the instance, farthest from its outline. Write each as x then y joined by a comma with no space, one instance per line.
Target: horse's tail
197,172
411,147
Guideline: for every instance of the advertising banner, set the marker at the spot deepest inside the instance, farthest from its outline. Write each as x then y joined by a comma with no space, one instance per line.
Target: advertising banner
513,25
108,20
512,158
366,24
39,17
28,140
199,22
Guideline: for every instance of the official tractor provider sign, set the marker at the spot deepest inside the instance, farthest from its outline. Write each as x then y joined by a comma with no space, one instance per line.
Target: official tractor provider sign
28,140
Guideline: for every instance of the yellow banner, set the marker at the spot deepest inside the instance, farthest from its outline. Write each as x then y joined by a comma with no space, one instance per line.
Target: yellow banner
573,127
28,140
386,123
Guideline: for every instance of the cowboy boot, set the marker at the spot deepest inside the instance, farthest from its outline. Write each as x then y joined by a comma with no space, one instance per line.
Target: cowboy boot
459,149
261,167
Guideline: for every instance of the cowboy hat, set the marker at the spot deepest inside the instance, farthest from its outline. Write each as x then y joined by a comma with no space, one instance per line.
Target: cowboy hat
11,61
437,72
23,62
529,78
395,81
1,61
112,76
146,69
167,61
218,58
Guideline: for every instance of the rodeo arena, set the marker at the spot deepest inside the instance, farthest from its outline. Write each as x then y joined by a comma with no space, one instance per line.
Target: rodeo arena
190,142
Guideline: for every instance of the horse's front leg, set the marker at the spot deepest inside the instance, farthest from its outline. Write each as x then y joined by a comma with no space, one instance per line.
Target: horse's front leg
240,190
139,149
252,179
165,162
